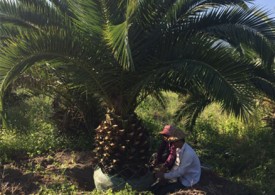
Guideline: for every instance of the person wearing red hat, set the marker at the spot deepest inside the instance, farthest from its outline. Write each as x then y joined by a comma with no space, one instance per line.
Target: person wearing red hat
186,171
166,154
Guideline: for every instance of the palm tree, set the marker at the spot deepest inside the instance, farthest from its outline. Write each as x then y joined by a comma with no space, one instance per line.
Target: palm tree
122,51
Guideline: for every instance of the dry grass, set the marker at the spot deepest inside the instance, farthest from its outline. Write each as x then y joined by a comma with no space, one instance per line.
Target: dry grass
6,187
190,192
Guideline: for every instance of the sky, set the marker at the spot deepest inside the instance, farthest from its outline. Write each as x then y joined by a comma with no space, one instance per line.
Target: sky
267,5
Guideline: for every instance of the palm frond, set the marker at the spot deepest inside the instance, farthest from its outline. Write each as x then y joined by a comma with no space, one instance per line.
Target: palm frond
28,14
117,37
160,99
264,82
9,32
37,3
89,16
216,69
235,25
185,8
192,106
91,80
16,57
63,6
265,86
120,49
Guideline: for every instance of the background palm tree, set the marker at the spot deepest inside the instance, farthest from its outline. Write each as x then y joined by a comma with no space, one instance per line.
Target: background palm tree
119,52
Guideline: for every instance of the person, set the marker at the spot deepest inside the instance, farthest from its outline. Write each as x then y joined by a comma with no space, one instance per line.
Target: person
186,170
166,154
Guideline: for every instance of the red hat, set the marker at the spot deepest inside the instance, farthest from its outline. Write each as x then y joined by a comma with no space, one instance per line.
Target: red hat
167,130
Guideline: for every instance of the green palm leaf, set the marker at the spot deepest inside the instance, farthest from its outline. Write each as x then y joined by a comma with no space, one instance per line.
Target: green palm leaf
123,51
29,15
191,108
236,25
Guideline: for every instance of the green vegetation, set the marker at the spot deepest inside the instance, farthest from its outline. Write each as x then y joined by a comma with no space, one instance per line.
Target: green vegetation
103,58
32,131
68,67
241,151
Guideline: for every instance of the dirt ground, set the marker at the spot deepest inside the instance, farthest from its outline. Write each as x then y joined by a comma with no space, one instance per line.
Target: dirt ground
27,176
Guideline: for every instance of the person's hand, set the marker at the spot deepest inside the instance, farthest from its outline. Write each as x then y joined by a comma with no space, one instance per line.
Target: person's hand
155,163
161,180
160,175
162,168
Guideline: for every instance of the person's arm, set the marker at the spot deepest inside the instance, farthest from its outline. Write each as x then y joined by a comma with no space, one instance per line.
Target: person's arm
161,150
185,163
170,161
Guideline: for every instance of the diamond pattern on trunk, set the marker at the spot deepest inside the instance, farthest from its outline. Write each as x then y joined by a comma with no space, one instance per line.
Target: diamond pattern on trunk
122,146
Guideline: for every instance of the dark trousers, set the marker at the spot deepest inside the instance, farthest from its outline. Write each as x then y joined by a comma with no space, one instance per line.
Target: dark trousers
167,188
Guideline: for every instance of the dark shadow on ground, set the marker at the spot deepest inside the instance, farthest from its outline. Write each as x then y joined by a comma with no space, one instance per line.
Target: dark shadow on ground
82,176
27,176
14,181
213,184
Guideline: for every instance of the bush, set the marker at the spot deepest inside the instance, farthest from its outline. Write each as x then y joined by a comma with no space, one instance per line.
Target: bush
242,151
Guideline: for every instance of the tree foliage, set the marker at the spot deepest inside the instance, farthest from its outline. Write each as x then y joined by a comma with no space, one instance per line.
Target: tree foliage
121,51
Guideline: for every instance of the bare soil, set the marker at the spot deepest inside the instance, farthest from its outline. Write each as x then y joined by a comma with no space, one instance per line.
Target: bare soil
27,176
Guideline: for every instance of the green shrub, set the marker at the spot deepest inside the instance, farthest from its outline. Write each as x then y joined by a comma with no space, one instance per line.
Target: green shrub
242,151
32,132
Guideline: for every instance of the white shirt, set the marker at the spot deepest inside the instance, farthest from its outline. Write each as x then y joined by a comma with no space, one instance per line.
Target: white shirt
187,166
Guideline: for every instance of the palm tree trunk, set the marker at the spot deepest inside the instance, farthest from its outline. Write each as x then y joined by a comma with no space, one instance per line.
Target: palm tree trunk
122,146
